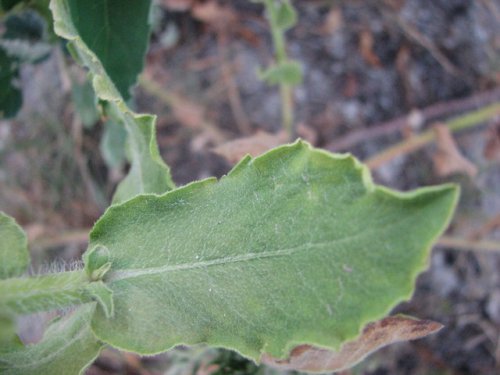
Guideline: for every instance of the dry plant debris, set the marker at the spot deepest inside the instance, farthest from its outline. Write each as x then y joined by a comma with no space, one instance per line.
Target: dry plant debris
374,336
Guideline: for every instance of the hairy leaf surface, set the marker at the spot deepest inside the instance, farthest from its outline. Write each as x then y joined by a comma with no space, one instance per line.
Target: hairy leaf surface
9,340
68,347
148,173
14,260
297,246
14,253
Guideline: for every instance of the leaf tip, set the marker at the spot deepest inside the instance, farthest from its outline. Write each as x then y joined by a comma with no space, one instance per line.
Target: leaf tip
241,165
364,172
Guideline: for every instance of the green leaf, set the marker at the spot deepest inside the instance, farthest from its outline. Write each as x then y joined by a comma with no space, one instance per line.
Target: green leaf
288,72
14,259
286,15
148,173
112,144
118,35
25,37
9,340
14,254
25,295
103,295
67,348
9,4
85,103
295,246
10,95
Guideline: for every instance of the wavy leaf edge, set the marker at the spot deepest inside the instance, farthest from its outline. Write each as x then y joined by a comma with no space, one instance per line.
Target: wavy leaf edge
302,146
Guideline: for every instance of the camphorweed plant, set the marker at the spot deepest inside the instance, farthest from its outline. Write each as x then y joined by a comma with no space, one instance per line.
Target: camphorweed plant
294,258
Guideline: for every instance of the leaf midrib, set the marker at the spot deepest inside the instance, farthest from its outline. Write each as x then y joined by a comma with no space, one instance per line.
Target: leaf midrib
138,272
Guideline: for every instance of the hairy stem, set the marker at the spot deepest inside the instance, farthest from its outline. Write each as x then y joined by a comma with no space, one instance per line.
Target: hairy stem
286,91
43,293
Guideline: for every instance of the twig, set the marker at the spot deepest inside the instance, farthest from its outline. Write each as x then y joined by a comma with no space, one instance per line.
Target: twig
412,144
465,244
425,42
427,114
413,33
173,100
232,89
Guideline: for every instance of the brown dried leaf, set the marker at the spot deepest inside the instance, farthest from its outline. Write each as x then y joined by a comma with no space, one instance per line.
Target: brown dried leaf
334,21
448,159
374,336
178,5
366,44
192,115
492,147
253,145
187,112
214,14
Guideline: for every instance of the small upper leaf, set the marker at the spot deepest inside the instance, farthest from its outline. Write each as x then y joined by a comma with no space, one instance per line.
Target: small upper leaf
14,255
286,15
297,246
288,72
148,173
67,348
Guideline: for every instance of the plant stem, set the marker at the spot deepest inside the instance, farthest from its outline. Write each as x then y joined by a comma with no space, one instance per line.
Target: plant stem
286,91
42,293
412,144
276,32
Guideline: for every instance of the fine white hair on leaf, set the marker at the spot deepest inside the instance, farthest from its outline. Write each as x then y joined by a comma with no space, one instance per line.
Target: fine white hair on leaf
31,327
57,266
